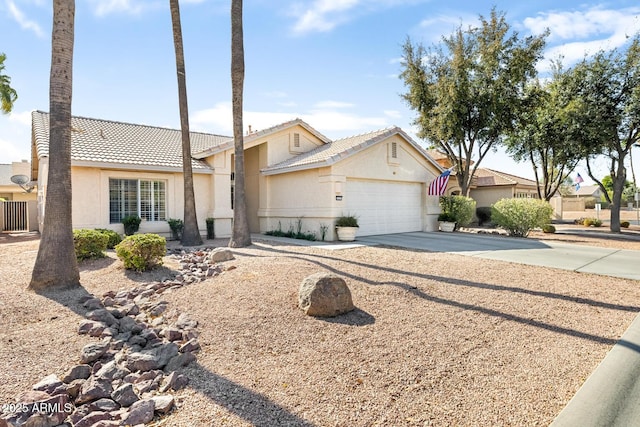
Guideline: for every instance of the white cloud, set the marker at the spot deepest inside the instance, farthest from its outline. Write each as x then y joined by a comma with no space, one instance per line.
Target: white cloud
576,34
22,20
339,124
325,15
394,114
434,28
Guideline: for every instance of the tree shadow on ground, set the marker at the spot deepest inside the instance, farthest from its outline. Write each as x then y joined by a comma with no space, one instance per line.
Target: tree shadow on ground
313,258
253,407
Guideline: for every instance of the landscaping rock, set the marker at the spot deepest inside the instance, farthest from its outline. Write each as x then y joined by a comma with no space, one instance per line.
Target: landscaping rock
101,315
77,372
324,295
92,419
94,351
219,255
125,395
185,322
182,359
163,404
94,389
48,384
140,412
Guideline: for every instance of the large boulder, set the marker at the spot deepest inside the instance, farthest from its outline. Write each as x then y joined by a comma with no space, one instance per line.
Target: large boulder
324,295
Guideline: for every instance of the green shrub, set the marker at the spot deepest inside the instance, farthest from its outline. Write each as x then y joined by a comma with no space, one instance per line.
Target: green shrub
347,221
113,236
548,228
589,202
589,222
484,214
141,252
624,224
460,208
131,224
176,226
89,243
211,232
520,216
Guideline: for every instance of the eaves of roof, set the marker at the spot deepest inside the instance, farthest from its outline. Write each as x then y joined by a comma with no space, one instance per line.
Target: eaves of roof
247,139
341,149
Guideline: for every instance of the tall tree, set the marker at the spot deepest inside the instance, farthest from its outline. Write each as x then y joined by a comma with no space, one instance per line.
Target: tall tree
56,265
7,94
190,232
607,119
468,91
240,235
540,135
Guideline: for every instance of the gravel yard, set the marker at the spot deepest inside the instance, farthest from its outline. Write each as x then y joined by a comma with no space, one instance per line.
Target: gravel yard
436,339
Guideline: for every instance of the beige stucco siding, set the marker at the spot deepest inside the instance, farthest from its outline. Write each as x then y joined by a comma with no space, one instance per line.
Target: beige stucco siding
488,196
90,206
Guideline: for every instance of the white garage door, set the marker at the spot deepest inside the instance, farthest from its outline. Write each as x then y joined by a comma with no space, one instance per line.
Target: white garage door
384,207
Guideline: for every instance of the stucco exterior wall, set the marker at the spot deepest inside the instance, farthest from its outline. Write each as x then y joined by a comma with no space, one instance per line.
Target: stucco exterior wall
90,207
488,196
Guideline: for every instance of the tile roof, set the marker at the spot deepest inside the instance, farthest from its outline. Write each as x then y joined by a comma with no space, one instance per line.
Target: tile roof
118,143
259,134
339,149
488,177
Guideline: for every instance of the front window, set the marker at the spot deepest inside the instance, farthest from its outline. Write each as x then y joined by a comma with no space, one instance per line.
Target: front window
144,198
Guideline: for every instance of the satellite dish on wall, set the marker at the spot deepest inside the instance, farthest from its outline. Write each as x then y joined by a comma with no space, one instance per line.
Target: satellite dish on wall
24,182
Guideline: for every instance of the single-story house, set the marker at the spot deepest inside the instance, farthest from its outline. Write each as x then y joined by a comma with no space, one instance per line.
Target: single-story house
292,173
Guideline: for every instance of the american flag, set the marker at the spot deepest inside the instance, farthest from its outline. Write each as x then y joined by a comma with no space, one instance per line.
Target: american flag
439,185
578,181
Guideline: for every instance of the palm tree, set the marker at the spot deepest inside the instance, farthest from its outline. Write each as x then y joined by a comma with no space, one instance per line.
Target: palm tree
240,236
56,265
7,94
190,233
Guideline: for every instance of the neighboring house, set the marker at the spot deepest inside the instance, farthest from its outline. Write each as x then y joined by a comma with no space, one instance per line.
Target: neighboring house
488,186
11,191
586,191
292,173
18,211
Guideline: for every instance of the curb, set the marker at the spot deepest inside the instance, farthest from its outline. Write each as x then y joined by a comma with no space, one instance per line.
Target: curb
611,394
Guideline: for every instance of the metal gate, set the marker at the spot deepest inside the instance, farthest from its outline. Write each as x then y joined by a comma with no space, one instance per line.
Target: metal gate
15,216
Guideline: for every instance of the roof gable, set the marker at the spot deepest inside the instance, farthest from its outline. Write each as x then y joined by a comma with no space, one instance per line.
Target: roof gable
253,136
118,143
340,149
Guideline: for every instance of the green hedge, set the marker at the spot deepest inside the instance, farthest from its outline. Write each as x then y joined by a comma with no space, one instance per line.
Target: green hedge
520,216
141,252
89,243
459,208
113,236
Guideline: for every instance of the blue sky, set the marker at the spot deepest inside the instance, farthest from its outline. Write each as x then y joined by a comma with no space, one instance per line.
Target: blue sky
333,63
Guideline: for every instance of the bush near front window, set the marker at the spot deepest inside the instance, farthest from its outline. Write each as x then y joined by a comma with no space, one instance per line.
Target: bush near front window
131,224
89,243
520,216
141,252
113,236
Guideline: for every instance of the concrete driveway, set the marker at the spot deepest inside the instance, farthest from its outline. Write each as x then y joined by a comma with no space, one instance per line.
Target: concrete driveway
585,259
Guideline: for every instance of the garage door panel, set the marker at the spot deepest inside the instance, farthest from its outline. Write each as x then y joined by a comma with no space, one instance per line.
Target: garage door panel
384,207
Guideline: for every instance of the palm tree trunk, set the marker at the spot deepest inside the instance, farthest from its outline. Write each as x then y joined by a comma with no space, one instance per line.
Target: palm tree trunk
190,232
56,265
240,235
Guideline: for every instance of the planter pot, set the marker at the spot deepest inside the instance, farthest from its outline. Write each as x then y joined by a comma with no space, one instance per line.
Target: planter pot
347,234
447,226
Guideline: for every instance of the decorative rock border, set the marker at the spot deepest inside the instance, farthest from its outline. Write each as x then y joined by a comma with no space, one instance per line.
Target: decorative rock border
126,377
